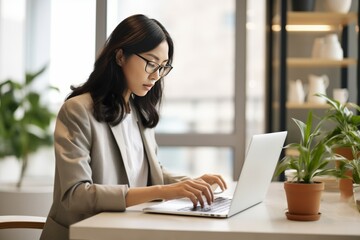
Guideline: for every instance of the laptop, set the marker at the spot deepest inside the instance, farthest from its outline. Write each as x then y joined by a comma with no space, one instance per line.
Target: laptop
260,162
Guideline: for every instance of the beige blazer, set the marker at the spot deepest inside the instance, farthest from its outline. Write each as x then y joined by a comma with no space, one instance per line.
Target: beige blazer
92,170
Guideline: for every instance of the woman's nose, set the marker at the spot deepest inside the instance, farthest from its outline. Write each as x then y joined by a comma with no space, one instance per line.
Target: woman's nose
155,75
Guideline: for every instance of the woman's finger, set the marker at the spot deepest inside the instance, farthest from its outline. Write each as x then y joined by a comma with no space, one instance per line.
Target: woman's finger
205,189
199,191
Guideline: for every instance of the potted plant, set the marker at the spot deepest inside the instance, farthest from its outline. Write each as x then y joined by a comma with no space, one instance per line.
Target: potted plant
350,163
302,192
355,167
24,120
344,137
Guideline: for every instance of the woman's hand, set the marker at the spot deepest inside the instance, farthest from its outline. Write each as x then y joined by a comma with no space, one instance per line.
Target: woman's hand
197,190
214,179
194,189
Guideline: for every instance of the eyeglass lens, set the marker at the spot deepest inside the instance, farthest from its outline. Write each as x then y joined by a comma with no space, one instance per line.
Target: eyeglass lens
152,67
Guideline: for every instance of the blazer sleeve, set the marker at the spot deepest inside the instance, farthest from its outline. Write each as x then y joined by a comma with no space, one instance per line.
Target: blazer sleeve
73,137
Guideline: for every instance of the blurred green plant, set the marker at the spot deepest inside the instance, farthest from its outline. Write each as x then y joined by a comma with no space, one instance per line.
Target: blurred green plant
346,130
24,119
354,165
314,154
346,133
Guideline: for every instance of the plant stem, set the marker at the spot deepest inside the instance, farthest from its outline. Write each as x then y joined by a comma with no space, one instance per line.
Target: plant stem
23,168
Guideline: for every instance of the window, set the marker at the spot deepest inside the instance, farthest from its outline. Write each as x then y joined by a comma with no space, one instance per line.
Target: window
12,39
59,34
199,92
255,67
203,114
72,43
195,161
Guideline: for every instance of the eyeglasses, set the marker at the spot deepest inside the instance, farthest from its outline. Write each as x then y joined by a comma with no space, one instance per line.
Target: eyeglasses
152,67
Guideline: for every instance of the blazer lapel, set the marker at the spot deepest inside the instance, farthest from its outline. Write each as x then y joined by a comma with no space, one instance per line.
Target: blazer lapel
156,172
118,135
149,146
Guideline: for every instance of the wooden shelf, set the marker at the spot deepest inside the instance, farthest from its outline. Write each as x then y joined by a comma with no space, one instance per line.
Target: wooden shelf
291,152
313,62
318,18
317,62
305,105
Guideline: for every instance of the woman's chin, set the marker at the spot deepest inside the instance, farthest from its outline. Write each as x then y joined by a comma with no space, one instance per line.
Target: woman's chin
141,94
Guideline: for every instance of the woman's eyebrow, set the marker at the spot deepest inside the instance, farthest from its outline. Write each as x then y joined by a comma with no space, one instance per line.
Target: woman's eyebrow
155,57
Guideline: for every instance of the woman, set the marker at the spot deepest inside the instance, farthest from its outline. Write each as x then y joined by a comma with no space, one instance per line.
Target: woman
105,147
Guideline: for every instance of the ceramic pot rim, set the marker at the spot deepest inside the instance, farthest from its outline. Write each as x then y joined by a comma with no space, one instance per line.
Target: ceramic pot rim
299,185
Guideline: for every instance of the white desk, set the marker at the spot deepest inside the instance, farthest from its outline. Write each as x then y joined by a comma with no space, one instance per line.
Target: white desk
339,220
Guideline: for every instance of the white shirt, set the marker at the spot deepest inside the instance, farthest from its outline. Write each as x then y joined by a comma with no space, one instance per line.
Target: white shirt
138,163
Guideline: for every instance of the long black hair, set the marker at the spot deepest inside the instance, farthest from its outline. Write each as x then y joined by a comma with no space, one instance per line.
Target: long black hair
106,84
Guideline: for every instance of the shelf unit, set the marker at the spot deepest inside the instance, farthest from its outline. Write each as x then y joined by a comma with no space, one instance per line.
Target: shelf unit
316,63
305,105
317,18
279,23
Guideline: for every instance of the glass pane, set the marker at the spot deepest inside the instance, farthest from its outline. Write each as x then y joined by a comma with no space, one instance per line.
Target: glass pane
58,33
199,91
255,67
72,43
196,161
12,39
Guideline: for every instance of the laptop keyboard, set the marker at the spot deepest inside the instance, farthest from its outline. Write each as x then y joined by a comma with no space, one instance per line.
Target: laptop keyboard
219,204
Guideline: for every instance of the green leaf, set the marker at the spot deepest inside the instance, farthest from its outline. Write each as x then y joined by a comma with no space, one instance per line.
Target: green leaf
313,151
30,77
24,119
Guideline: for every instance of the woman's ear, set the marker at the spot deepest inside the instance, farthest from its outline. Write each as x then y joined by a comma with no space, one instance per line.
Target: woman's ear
120,58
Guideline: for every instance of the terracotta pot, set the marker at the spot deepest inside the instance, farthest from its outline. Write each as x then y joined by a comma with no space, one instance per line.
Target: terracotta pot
303,200
345,185
356,190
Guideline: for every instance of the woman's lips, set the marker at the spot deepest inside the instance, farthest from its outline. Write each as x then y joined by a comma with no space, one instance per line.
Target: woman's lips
148,86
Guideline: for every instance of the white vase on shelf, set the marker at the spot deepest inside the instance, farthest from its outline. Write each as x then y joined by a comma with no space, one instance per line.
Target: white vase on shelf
317,85
339,6
296,92
331,48
317,48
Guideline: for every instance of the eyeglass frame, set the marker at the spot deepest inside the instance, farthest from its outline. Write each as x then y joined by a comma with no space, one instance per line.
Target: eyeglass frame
159,68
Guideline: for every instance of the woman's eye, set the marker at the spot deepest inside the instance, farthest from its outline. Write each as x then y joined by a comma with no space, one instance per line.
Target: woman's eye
152,65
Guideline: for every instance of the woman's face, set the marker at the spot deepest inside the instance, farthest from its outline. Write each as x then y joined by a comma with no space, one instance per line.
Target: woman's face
139,82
